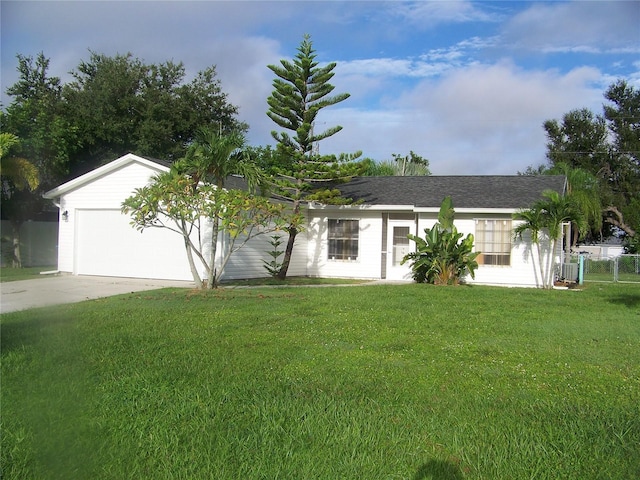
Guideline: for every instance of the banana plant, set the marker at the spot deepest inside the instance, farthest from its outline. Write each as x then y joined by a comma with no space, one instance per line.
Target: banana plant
443,256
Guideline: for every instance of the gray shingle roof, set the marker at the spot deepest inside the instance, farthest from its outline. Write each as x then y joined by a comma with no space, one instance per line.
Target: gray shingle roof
164,163
508,191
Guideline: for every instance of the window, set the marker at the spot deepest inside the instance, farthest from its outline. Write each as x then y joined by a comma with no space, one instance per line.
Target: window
493,241
343,239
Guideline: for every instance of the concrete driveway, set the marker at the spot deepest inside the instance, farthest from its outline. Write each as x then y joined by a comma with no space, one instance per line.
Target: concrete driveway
59,289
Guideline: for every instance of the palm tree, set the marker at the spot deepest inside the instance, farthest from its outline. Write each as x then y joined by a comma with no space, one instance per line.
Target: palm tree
532,221
17,174
548,215
21,172
211,159
583,190
557,210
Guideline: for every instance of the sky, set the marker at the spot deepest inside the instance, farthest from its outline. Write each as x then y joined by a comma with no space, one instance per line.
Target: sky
466,85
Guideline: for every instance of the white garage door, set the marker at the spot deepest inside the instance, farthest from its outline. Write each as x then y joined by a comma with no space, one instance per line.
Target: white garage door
106,244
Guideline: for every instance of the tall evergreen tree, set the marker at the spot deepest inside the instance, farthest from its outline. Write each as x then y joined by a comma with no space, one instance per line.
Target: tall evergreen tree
300,91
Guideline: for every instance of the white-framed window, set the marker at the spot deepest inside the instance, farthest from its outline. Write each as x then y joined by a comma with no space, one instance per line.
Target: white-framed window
343,239
493,241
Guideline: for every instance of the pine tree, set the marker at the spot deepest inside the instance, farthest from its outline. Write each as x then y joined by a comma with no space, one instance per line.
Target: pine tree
301,90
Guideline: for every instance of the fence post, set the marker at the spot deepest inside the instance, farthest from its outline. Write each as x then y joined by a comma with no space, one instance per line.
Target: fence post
615,269
580,269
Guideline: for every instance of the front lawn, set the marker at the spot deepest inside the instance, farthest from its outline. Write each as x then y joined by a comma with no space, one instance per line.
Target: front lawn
356,382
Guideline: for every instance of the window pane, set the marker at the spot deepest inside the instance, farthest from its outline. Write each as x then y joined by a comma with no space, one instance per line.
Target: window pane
343,239
493,239
400,243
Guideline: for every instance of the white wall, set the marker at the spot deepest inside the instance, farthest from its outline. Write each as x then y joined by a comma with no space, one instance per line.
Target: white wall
248,261
368,264
523,270
103,193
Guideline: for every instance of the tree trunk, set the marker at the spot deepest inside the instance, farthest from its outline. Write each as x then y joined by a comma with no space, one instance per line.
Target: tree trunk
192,265
212,280
16,260
618,220
282,274
550,262
293,231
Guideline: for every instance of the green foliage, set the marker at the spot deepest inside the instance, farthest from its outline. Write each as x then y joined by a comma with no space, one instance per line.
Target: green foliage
371,168
274,265
443,257
407,165
18,180
19,172
372,382
545,218
122,104
607,147
301,90
38,116
410,165
632,244
173,201
114,105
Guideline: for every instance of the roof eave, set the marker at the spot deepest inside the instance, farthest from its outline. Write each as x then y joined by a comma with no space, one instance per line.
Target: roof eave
100,171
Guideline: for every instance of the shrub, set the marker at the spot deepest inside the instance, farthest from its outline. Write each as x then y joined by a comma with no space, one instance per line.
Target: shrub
443,257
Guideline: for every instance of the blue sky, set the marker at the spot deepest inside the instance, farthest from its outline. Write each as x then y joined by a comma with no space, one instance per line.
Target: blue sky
466,85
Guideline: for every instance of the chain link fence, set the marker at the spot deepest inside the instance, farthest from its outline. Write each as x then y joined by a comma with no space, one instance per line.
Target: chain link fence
623,268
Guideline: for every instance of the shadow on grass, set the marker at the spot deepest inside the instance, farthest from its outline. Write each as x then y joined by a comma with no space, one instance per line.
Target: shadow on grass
630,300
15,334
439,470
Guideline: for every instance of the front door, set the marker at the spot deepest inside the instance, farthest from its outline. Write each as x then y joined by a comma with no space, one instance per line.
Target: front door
398,245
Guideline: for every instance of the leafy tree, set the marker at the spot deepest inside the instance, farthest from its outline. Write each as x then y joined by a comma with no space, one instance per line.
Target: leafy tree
173,201
113,105
211,159
268,159
580,140
583,190
19,171
607,146
623,119
37,116
443,257
544,219
122,104
18,177
532,220
301,91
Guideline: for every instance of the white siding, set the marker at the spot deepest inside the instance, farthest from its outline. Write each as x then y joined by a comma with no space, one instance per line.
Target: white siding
248,261
368,264
107,193
521,272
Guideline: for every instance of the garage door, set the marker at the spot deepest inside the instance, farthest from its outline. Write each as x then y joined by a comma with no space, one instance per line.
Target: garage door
106,244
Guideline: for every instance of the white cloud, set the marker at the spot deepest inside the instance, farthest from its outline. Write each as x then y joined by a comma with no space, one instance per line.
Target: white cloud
481,119
591,27
430,14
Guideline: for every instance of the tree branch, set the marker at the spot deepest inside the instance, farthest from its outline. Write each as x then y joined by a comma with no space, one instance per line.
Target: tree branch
618,220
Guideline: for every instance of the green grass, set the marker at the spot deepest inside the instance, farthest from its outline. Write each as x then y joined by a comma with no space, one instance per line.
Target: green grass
292,281
368,382
14,274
